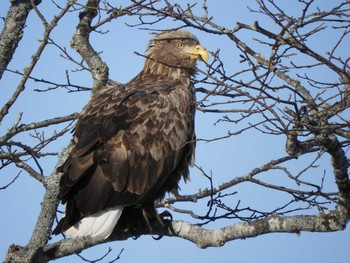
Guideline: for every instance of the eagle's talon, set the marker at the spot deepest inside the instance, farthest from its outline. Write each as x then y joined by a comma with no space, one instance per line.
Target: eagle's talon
163,215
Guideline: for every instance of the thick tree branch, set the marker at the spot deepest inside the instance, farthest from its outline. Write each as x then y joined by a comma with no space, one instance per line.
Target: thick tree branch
203,238
81,44
33,252
12,32
340,165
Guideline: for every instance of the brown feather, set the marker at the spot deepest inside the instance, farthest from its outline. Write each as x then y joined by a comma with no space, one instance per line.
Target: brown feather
134,142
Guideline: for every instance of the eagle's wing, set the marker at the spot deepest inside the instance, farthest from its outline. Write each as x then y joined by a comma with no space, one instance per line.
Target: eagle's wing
128,144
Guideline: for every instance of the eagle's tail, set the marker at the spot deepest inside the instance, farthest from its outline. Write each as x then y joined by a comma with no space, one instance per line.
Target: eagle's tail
97,226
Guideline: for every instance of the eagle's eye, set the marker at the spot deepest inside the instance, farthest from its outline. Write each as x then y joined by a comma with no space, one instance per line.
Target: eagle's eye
181,45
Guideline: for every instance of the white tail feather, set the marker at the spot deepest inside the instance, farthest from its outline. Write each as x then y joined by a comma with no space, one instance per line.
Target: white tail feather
98,226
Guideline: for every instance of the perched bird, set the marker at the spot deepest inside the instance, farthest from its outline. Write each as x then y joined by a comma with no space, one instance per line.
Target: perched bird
133,142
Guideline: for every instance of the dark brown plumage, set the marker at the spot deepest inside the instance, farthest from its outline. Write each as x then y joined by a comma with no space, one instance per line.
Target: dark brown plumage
133,142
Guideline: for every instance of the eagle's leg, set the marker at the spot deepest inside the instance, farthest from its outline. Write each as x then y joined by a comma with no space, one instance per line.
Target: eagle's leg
165,214
150,214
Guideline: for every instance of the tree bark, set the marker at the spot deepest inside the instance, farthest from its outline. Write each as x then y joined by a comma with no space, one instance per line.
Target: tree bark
12,32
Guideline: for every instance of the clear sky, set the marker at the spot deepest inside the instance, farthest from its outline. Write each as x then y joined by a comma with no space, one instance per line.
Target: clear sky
20,203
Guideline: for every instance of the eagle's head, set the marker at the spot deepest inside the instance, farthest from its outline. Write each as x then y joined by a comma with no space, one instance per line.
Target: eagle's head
174,53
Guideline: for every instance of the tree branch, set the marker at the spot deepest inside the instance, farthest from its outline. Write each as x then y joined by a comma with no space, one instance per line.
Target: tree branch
20,88
12,31
203,238
81,44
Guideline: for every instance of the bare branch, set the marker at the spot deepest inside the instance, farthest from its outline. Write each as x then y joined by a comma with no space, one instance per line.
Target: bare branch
5,109
10,183
81,44
203,238
12,32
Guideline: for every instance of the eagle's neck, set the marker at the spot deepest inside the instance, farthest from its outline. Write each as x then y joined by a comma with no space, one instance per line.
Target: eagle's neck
175,73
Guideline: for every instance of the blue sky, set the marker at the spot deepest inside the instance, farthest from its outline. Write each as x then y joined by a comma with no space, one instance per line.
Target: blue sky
227,159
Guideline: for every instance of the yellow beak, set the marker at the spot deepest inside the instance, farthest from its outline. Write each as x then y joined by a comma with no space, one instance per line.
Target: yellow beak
197,52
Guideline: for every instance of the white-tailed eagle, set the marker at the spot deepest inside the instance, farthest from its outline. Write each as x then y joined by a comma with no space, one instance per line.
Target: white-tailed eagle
133,142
